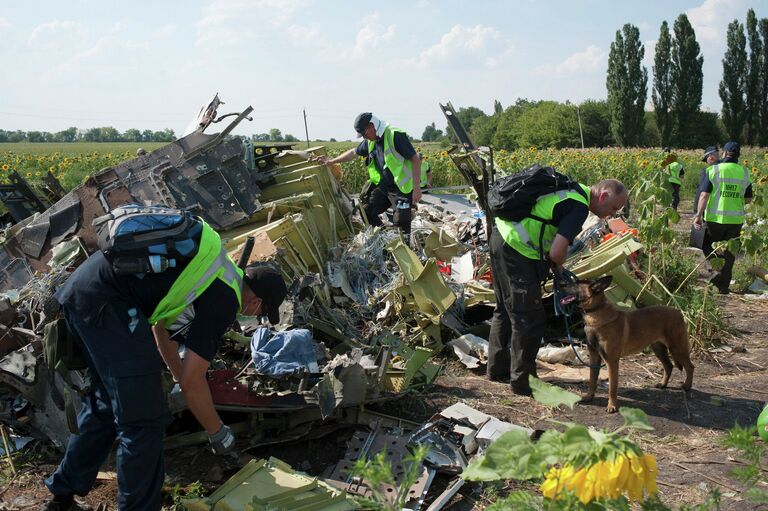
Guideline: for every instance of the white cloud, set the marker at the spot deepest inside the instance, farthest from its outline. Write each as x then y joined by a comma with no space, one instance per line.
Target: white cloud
591,59
56,33
231,22
4,23
711,18
305,35
372,35
166,31
482,43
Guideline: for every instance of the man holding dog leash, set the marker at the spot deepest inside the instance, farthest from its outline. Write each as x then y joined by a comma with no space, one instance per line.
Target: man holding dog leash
518,271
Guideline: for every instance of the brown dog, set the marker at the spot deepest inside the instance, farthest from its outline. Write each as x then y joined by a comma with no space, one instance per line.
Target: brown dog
612,334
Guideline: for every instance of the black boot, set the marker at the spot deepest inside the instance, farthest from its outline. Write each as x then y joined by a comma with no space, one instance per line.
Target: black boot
63,503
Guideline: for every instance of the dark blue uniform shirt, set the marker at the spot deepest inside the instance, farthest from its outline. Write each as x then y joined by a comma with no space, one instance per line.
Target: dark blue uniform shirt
94,285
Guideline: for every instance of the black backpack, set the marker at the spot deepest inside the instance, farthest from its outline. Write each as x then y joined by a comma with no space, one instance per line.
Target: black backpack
147,239
512,197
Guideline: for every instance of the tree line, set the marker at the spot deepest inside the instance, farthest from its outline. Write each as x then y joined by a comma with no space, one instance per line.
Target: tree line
110,134
102,134
676,91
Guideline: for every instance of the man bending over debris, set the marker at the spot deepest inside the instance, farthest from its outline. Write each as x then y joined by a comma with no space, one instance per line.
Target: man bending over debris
393,168
121,321
518,271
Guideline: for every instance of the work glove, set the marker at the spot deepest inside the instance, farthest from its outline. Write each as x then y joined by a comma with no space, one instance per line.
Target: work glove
223,441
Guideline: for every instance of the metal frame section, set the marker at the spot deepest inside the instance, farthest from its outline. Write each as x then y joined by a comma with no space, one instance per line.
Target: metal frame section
19,198
205,174
471,162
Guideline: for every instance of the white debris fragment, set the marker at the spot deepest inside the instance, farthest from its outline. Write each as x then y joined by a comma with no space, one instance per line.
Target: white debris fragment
559,354
471,350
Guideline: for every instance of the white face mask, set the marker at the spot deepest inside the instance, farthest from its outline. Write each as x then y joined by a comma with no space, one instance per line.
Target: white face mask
379,125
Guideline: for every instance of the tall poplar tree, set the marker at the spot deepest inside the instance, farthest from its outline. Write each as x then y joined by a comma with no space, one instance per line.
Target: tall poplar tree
733,85
753,99
662,85
687,78
763,132
627,84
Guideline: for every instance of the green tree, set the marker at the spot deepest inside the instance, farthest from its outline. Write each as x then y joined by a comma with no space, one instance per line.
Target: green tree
290,138
132,135
92,135
67,135
706,130
275,135
484,128
17,136
651,136
752,97
503,137
596,123
662,85
548,124
35,136
497,108
763,132
109,134
687,78
733,85
431,133
627,84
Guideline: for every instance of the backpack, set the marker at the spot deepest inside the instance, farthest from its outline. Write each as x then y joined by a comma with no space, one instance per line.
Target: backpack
147,239
512,197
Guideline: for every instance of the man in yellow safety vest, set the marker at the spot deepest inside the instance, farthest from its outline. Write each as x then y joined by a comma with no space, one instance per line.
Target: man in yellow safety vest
518,320
721,204
393,168
675,171
122,323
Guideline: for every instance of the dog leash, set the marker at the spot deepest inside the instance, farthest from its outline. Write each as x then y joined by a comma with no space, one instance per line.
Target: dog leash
565,310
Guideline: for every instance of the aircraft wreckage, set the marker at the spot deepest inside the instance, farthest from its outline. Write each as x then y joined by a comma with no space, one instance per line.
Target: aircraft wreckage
365,312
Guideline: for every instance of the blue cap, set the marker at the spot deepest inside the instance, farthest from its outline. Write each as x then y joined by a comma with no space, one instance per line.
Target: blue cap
732,147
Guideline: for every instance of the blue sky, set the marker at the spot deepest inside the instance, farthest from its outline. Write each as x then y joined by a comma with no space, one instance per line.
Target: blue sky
151,65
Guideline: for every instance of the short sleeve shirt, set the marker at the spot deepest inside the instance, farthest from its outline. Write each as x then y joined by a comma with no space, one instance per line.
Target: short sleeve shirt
569,216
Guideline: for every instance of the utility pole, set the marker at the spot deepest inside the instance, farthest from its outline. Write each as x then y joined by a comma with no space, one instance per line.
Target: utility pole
581,133
306,131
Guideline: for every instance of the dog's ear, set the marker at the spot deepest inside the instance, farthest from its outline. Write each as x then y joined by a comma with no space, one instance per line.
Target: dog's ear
601,284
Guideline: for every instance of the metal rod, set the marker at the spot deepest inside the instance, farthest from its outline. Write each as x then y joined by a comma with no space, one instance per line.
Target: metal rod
306,130
246,253
7,448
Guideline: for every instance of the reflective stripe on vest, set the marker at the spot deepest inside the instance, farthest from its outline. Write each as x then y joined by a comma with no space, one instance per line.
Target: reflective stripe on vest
210,262
726,202
523,236
674,169
401,169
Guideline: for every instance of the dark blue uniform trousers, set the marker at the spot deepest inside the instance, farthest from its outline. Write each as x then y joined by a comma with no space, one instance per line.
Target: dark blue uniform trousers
126,402
519,318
